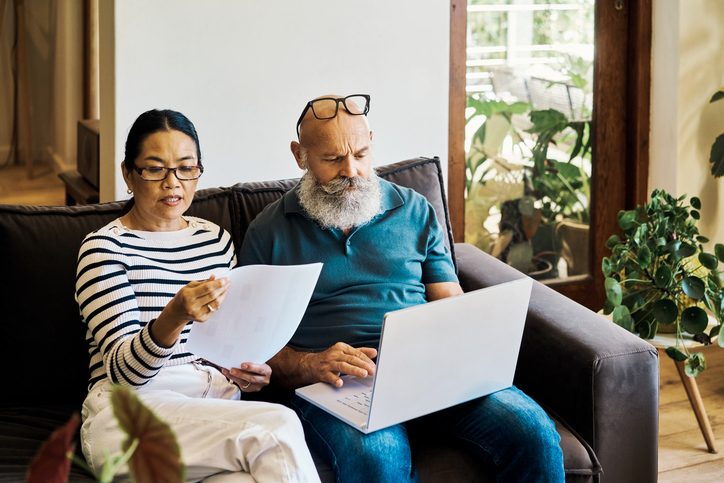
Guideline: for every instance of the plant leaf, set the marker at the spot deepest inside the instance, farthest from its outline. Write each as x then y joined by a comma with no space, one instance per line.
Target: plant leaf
685,250
606,267
716,157
675,353
695,365
520,256
622,317
719,251
665,311
717,278
694,320
613,291
644,257
612,241
717,95
672,246
158,456
663,276
526,205
626,219
695,203
693,287
708,260
52,464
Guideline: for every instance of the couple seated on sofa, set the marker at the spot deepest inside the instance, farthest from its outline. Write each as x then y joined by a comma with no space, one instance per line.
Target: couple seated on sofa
144,278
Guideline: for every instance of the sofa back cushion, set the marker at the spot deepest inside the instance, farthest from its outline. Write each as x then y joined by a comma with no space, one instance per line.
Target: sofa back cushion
424,175
42,332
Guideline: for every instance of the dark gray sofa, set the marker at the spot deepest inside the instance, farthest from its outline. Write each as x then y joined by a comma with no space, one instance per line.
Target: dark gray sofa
598,382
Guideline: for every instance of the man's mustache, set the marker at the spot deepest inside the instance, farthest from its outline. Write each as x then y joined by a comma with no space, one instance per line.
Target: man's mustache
340,184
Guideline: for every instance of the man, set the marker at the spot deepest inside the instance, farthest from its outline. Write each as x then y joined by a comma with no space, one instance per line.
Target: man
382,250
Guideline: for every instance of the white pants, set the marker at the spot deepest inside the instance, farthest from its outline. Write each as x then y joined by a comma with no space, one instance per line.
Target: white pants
217,433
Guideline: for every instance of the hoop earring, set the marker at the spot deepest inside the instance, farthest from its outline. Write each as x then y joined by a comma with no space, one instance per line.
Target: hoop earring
129,191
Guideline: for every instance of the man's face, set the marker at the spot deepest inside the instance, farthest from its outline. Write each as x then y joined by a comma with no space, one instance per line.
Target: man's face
339,189
336,148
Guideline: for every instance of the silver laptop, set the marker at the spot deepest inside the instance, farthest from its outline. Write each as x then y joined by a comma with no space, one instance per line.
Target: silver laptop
434,356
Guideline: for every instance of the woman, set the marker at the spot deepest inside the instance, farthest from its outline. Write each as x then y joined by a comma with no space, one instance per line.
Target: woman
142,280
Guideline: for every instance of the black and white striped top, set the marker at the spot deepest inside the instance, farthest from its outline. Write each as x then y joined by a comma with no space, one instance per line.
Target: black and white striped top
125,278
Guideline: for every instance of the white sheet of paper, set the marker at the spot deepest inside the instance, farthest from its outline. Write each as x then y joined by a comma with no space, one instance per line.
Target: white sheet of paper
259,315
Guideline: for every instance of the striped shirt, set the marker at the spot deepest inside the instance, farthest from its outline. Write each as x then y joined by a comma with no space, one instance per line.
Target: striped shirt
125,278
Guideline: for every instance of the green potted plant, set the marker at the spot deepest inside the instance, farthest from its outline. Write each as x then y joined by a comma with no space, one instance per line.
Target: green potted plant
660,276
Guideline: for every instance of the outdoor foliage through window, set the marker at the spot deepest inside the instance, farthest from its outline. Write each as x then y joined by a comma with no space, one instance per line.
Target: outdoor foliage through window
529,86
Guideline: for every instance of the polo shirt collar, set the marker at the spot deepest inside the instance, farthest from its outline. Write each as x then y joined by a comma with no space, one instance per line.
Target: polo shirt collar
391,199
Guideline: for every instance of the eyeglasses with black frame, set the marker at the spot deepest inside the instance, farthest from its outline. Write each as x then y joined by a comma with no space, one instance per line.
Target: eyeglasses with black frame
158,173
327,107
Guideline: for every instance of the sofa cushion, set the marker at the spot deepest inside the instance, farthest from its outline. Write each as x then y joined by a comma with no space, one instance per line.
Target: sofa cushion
424,175
22,433
43,332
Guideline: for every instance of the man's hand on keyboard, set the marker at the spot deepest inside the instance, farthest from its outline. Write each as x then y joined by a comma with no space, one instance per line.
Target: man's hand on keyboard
339,359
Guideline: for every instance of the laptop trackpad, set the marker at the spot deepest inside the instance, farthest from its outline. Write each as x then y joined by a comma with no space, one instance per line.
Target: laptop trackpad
365,381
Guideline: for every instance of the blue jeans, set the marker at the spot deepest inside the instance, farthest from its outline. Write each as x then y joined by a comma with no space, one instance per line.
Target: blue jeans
507,430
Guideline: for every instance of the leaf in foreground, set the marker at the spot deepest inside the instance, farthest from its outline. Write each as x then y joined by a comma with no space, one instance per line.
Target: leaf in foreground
158,456
52,463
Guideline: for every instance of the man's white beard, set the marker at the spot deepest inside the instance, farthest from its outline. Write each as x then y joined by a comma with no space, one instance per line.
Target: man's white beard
333,206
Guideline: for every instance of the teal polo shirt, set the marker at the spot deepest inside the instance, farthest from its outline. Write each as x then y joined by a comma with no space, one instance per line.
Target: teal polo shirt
382,266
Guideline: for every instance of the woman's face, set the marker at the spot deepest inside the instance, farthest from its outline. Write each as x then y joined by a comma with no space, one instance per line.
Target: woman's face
160,204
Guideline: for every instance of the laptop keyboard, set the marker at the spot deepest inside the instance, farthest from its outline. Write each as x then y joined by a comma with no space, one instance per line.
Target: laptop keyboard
360,402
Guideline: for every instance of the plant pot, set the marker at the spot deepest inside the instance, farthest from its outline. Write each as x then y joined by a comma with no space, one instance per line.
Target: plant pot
574,246
543,269
667,329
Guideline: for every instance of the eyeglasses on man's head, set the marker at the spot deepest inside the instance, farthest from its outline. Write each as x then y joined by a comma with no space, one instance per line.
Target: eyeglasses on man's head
327,107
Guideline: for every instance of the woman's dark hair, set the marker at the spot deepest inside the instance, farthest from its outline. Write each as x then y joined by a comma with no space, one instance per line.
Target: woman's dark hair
154,121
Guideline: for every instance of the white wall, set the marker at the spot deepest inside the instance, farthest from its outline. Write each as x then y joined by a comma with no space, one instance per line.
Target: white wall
687,69
242,71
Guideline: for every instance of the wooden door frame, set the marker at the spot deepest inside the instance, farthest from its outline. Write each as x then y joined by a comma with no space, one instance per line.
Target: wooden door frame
621,128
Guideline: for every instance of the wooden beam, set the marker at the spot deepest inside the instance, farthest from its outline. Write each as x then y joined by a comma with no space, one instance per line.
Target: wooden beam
23,114
90,60
3,4
456,122
639,103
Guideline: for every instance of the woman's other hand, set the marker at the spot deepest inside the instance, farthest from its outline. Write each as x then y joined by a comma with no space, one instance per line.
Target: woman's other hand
195,301
249,377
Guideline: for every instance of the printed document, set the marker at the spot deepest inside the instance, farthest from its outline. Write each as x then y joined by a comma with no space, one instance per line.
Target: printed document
259,315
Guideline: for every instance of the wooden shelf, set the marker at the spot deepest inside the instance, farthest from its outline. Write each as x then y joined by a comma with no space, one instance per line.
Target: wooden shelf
77,189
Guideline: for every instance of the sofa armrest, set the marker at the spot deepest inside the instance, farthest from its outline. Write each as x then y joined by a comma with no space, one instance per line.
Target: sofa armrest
602,380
